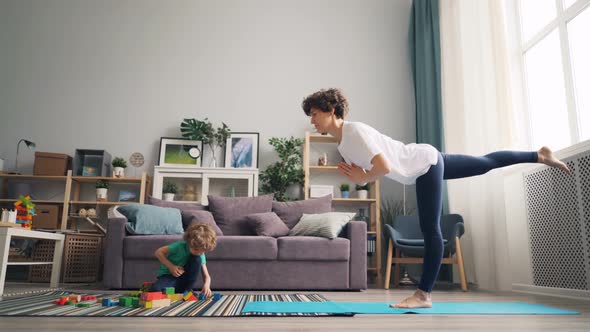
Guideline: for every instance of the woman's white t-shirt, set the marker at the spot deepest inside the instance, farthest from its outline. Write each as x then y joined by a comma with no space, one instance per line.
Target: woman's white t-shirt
361,142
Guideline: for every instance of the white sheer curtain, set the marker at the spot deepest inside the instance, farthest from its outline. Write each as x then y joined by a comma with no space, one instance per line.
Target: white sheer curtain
479,98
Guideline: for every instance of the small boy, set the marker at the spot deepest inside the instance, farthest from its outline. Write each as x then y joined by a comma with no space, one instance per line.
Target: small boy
182,261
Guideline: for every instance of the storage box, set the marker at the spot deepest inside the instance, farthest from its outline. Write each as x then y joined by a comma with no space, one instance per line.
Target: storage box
320,190
92,163
46,216
47,163
82,259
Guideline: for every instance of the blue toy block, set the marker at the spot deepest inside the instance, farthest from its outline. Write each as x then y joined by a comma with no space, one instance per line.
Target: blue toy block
216,296
202,296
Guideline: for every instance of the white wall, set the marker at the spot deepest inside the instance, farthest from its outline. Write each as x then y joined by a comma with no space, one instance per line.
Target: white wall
118,75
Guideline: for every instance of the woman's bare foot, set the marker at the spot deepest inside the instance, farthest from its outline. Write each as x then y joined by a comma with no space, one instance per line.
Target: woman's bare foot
420,299
545,156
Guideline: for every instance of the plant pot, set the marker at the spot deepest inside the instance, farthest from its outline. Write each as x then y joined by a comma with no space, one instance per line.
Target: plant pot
362,194
118,172
101,194
168,197
345,194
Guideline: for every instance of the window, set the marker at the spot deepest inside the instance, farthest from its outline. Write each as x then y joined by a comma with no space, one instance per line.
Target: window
556,57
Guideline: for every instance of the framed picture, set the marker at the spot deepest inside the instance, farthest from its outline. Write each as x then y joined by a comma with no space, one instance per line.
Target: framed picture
128,196
241,150
180,152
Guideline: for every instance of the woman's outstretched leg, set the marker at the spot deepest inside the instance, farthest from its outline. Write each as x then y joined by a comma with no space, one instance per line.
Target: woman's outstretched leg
461,166
429,197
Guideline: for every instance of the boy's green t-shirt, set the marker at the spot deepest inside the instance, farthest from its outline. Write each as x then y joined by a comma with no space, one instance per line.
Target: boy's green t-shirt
179,253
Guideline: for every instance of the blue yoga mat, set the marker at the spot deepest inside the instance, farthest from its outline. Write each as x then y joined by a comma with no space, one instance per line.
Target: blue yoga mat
438,308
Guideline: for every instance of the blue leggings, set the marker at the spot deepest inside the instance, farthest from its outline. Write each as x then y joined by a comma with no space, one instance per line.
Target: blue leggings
186,282
429,196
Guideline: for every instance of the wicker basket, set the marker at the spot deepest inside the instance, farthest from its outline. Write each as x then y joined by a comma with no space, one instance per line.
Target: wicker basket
81,259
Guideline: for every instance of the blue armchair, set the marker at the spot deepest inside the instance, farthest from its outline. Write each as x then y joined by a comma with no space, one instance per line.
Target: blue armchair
407,240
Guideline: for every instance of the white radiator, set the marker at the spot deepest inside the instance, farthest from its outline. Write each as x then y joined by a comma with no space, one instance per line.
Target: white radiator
548,224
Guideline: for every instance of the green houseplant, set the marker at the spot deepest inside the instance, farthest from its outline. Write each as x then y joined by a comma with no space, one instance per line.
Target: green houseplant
169,189
119,165
102,187
202,130
345,190
362,191
285,172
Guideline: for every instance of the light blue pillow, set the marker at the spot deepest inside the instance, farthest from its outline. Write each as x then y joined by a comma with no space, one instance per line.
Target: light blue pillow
151,220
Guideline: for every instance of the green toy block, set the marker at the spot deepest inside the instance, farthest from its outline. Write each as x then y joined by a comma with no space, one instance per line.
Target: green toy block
71,303
83,305
169,290
135,301
133,294
125,301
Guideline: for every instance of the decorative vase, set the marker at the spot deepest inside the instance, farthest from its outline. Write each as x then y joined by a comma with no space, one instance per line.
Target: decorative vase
118,172
189,193
362,194
345,194
101,194
168,197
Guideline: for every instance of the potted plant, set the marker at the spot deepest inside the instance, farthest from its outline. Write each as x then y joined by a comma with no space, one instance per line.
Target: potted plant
102,187
168,190
119,165
203,131
362,191
344,190
287,173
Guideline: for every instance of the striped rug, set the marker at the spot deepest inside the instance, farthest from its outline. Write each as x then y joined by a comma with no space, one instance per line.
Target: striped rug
230,305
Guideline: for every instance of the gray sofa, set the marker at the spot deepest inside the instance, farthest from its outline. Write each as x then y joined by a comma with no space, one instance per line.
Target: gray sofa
248,262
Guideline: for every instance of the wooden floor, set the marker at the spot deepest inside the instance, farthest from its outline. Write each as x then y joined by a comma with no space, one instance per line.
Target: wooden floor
357,323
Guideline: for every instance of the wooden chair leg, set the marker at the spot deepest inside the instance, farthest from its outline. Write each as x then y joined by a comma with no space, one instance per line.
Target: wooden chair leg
388,266
396,269
461,267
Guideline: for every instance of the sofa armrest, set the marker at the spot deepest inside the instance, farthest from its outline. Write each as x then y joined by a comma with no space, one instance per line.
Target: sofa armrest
113,253
356,232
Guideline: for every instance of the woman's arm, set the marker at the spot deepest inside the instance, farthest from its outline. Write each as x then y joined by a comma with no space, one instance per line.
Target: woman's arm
358,175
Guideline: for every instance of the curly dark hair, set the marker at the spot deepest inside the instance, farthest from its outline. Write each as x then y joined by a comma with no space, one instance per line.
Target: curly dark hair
325,101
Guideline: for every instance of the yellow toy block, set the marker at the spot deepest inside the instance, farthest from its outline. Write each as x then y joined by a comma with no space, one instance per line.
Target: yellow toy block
175,297
145,304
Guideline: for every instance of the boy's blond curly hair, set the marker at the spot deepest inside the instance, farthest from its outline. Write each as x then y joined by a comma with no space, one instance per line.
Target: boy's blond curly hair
200,237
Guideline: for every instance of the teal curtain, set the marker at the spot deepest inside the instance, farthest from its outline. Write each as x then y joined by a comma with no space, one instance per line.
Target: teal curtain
426,70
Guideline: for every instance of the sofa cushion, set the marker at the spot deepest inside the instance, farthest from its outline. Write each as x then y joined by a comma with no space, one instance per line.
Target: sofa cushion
148,219
244,248
230,212
303,248
200,217
144,246
327,225
177,205
267,224
291,212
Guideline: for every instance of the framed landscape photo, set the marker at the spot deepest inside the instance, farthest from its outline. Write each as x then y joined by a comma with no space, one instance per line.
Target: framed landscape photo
128,196
241,150
180,152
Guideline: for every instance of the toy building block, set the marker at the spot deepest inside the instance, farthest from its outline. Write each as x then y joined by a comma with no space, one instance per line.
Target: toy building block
74,297
83,305
135,301
189,296
161,303
175,297
216,296
150,296
169,290
145,304
109,302
125,301
202,296
70,303
88,297
133,294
